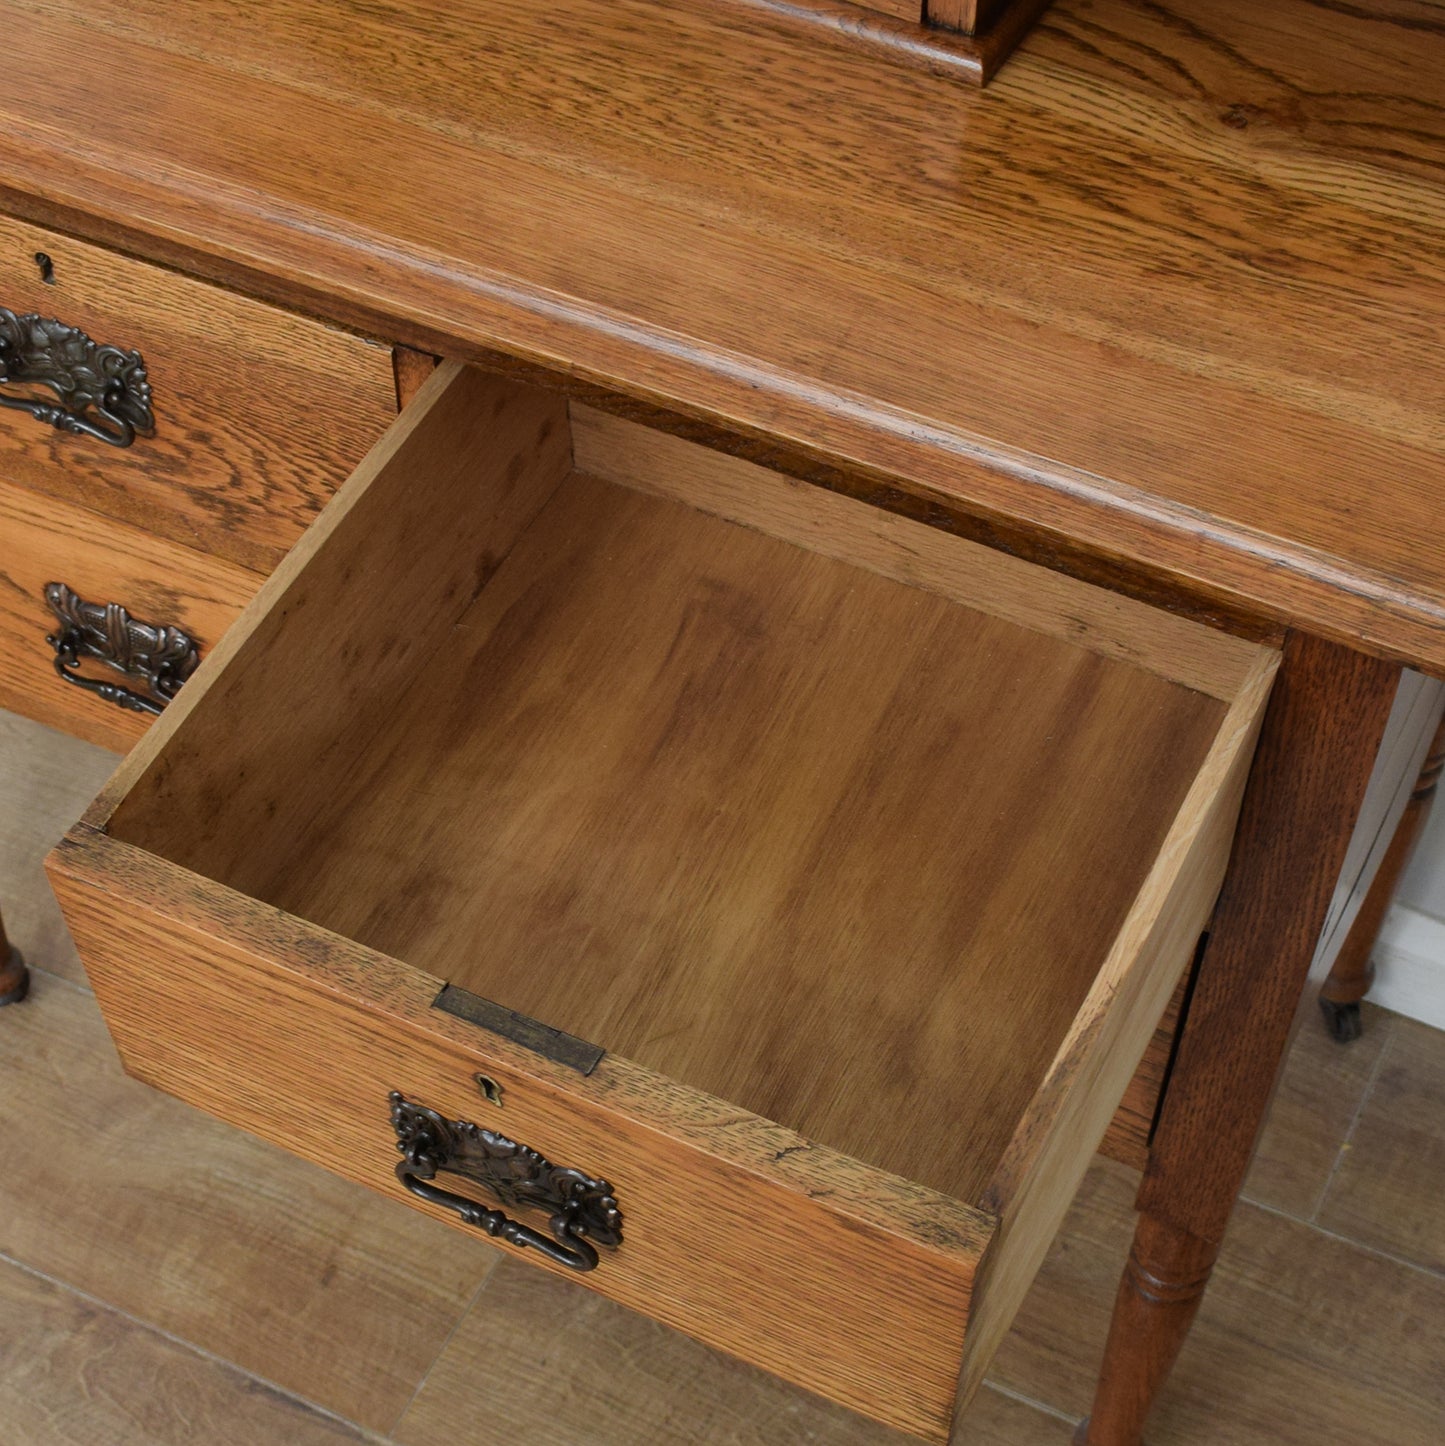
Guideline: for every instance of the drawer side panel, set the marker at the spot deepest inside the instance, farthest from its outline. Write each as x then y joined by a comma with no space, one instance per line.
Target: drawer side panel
1067,1119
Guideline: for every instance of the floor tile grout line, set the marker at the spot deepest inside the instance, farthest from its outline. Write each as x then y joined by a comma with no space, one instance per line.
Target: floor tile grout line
52,977
465,1311
1033,1401
1342,1153
1429,1271
141,1323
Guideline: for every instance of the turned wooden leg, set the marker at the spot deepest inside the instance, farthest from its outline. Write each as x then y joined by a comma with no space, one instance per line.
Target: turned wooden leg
1323,728
1354,969
14,976
1159,1294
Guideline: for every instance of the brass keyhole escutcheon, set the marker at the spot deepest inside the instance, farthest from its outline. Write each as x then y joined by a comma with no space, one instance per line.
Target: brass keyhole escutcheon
491,1090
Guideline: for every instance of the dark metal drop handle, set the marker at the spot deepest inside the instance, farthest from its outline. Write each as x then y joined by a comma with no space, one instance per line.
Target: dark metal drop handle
97,391
584,1211
158,656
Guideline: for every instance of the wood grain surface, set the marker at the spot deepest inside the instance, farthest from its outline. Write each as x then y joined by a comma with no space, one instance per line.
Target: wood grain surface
157,581
260,414
728,775
1160,306
140,1388
723,485
412,368
833,1275
727,486
498,1374
727,801
1063,1124
405,546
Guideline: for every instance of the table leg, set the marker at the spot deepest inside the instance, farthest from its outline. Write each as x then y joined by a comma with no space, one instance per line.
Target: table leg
1321,733
14,976
1354,969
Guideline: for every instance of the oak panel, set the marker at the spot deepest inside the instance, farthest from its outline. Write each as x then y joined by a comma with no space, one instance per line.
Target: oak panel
1158,307
260,413
727,802
727,486
711,781
462,470
628,1380
1065,1121
48,540
724,485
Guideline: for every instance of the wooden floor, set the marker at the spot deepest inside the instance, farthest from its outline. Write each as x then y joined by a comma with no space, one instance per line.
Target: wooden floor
165,1280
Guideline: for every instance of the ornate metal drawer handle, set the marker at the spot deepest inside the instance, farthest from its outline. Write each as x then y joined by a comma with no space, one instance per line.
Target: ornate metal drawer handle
101,391
161,657
584,1212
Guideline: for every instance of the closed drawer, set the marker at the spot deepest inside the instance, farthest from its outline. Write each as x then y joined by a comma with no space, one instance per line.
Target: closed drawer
101,561
258,414
863,860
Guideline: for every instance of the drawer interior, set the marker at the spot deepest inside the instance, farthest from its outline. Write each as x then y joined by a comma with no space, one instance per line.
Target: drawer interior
868,856
830,845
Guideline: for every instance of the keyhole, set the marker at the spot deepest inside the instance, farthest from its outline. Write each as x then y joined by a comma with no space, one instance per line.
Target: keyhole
491,1090
47,268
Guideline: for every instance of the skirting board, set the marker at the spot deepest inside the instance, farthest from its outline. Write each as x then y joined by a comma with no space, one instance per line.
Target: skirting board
1407,739
1410,966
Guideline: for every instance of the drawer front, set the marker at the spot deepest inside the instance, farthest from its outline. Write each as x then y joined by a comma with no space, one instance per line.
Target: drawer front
830,1274
258,414
101,561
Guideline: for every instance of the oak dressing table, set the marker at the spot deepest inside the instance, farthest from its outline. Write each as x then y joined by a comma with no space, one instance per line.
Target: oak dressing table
726,792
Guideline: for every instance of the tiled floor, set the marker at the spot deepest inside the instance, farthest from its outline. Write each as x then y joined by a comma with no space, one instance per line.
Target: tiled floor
166,1280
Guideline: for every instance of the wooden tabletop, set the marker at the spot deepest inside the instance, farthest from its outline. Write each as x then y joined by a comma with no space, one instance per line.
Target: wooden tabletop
1161,306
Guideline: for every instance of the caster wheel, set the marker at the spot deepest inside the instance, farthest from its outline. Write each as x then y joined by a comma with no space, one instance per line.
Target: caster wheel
1342,1020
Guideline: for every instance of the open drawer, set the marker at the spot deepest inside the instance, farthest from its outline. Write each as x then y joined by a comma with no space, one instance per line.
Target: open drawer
806,881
